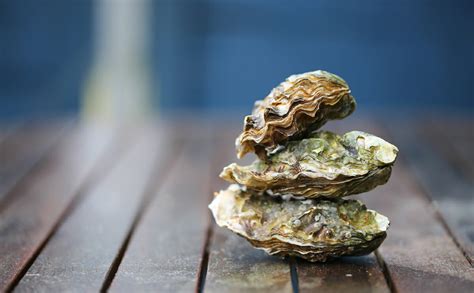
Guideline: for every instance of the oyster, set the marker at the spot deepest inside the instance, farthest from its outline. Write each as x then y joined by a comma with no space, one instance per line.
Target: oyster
322,165
288,202
315,230
300,104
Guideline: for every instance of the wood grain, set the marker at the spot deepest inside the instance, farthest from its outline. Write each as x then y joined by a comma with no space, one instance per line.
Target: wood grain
419,253
43,196
452,194
94,208
347,274
234,265
24,148
165,251
78,257
452,141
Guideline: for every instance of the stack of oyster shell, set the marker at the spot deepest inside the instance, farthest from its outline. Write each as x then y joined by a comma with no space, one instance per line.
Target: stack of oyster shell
289,202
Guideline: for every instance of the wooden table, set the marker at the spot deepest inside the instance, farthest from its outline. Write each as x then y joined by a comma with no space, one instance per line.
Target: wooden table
93,207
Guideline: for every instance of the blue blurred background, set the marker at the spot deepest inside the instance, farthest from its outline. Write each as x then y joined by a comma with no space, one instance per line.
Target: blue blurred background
222,55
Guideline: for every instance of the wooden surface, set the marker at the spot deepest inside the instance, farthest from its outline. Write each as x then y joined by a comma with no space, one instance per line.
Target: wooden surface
92,208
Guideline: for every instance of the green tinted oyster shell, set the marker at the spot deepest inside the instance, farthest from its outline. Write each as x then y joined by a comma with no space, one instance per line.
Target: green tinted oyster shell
315,230
322,165
300,104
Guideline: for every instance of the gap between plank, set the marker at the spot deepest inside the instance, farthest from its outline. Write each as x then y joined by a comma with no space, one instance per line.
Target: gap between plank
202,272
214,165
385,271
98,171
429,199
150,193
294,275
455,162
441,219
203,266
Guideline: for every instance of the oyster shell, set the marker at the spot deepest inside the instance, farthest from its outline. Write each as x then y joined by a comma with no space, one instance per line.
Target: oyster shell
302,103
310,229
322,165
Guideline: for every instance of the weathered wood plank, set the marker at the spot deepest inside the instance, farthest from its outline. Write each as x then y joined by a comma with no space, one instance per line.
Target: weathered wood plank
165,251
234,265
78,257
347,274
43,198
451,192
23,149
419,254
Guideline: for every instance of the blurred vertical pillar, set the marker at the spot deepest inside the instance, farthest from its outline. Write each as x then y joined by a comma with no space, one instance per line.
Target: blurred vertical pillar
118,88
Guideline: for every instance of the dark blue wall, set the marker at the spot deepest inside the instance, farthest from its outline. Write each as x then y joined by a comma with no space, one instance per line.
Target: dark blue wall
222,54
45,47
226,54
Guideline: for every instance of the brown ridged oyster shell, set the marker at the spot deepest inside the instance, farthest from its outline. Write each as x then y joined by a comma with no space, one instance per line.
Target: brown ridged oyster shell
310,229
322,165
300,104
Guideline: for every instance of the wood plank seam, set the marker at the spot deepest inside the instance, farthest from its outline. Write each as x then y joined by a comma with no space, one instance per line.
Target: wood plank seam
442,220
202,272
458,164
419,254
294,274
153,260
106,160
385,270
149,195
91,236
432,202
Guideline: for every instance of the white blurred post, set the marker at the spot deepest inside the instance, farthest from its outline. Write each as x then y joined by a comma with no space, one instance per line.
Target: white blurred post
119,86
